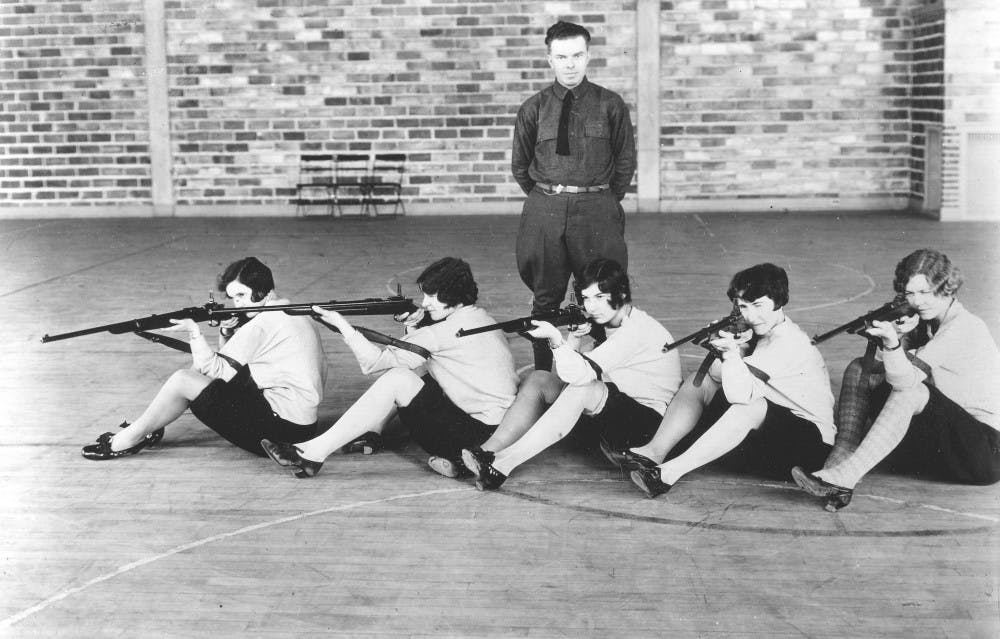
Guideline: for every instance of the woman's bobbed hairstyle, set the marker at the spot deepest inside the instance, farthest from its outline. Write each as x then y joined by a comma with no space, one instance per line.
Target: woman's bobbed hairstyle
757,281
249,272
610,278
450,278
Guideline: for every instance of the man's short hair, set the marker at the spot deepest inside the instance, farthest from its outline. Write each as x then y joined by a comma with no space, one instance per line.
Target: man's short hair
564,31
251,273
945,277
610,278
760,280
451,280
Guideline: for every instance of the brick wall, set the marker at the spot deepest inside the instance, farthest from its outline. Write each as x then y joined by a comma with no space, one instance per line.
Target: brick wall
255,84
802,101
777,99
73,125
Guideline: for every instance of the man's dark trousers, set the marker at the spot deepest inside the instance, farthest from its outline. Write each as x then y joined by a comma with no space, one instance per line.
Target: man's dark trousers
558,236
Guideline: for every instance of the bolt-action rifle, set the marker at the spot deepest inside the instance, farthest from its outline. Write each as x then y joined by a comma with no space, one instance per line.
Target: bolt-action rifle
571,315
888,312
214,312
733,323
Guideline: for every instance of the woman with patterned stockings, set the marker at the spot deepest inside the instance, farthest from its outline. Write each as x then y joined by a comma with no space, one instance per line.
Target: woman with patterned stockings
949,427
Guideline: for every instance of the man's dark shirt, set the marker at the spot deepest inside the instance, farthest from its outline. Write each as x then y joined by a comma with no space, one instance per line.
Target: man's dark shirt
601,142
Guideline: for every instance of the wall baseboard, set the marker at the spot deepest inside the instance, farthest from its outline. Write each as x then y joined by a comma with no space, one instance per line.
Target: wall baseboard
673,207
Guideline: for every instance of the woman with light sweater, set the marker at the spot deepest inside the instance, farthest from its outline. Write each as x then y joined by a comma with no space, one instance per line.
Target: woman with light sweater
469,384
266,379
947,424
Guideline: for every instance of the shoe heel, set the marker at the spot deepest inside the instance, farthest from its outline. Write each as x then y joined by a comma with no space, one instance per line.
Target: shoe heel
833,503
303,472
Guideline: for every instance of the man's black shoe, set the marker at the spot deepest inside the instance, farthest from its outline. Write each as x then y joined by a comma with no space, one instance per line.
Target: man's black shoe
288,455
480,463
648,480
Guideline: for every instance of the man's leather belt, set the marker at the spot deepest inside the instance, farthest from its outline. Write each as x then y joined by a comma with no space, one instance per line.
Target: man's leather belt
562,188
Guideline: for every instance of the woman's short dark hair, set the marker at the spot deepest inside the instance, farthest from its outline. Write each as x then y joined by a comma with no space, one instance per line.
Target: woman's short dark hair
564,31
251,273
757,281
451,280
610,278
945,277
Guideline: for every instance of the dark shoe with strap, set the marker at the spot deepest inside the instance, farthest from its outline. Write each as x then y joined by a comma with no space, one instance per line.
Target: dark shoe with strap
648,480
368,444
102,449
834,497
151,439
288,455
625,459
480,463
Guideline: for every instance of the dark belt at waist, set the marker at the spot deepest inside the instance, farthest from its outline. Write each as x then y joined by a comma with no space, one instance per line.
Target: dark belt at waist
562,188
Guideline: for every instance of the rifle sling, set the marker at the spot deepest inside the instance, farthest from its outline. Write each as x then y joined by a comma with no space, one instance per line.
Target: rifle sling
699,376
387,340
594,365
169,342
181,346
381,338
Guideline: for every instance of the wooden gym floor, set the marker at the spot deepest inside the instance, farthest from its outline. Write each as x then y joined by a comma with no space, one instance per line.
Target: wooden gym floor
197,538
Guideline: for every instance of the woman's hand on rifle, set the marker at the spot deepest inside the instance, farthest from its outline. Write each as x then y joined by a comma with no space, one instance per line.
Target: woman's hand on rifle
411,320
334,319
185,324
545,330
885,332
729,345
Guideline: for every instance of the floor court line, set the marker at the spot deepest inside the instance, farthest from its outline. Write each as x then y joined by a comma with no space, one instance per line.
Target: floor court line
840,532
93,266
27,612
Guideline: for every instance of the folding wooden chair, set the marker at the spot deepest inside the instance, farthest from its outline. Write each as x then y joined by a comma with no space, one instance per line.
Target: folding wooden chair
350,182
314,185
385,185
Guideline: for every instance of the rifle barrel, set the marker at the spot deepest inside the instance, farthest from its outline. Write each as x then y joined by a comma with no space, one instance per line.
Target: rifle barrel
85,331
572,314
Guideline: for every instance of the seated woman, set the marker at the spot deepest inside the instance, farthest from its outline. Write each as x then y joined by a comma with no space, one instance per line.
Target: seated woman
767,399
266,380
621,387
469,384
951,427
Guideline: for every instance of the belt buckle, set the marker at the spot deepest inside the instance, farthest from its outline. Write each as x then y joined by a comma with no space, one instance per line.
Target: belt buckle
558,188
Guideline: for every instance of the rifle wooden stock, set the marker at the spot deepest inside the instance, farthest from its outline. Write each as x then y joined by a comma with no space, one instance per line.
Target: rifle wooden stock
889,312
571,315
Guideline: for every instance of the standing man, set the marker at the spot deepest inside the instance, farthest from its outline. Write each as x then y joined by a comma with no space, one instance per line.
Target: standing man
574,157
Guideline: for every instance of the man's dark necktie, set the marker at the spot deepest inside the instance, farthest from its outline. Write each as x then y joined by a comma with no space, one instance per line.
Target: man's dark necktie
562,140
